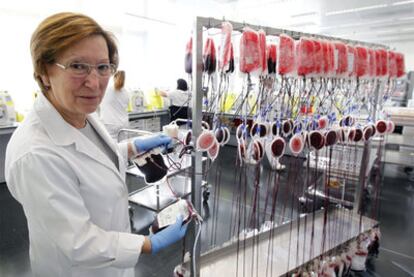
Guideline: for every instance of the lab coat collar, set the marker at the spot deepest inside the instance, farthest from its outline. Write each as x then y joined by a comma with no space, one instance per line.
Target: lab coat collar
64,134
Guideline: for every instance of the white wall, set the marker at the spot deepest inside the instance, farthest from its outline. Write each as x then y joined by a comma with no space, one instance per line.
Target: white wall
151,50
151,39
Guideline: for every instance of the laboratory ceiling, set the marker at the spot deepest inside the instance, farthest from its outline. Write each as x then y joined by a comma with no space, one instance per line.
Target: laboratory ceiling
380,21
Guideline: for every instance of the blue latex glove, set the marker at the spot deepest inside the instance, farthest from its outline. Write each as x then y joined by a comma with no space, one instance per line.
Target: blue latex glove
168,236
143,144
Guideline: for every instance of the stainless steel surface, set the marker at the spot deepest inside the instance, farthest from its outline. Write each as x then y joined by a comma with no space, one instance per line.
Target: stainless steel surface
8,129
223,261
5,133
146,114
147,197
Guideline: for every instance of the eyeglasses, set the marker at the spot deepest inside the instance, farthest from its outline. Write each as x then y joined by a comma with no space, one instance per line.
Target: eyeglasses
84,69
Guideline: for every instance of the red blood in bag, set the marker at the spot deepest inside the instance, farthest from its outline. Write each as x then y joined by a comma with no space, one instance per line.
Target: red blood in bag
351,134
381,56
400,64
342,58
378,63
277,147
381,126
225,46
286,54
254,129
367,133
209,56
259,146
188,56
351,60
213,151
392,64
358,134
271,58
361,61
205,140
325,57
331,137
262,51
296,144
323,122
371,63
249,51
341,134
316,140
187,138
305,57
256,150
274,128
287,126
231,62
390,126
241,147
331,58
317,50
259,129
219,133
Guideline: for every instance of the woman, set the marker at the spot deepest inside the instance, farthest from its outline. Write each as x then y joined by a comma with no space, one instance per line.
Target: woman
180,100
64,168
114,104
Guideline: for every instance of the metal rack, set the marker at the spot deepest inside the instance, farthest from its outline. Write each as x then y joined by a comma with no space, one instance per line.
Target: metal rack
199,24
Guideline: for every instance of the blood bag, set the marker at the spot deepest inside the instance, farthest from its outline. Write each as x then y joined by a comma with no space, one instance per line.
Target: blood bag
305,57
249,51
361,61
286,54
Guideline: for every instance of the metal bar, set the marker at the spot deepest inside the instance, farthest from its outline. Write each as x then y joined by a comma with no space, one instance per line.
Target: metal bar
237,26
197,169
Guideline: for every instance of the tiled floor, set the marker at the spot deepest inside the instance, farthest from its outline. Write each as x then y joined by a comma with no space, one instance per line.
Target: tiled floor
396,220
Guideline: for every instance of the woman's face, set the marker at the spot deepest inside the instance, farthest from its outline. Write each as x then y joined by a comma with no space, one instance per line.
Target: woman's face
74,97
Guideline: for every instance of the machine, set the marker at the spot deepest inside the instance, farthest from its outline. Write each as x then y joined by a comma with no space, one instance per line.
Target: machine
7,112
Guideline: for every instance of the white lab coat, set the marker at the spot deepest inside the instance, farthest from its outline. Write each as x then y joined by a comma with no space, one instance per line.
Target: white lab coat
74,198
113,110
179,98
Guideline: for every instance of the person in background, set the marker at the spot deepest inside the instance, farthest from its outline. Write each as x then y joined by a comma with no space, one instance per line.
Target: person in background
64,168
113,109
180,100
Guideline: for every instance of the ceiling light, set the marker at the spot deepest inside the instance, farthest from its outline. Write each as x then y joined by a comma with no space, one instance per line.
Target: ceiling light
366,8
302,24
303,14
402,3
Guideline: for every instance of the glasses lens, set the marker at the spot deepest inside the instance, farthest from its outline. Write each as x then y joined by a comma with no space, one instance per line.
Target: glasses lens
79,69
105,69
83,69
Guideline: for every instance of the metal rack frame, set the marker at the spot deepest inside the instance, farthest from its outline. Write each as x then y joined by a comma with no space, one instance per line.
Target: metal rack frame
197,72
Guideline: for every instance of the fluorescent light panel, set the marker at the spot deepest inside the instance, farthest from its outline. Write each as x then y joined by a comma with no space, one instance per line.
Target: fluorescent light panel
360,9
303,14
402,3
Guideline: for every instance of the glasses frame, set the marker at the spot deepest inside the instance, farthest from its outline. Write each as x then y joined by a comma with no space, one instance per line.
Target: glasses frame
89,69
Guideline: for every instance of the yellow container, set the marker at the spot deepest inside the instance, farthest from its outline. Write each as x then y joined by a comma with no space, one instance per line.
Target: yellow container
228,102
154,100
